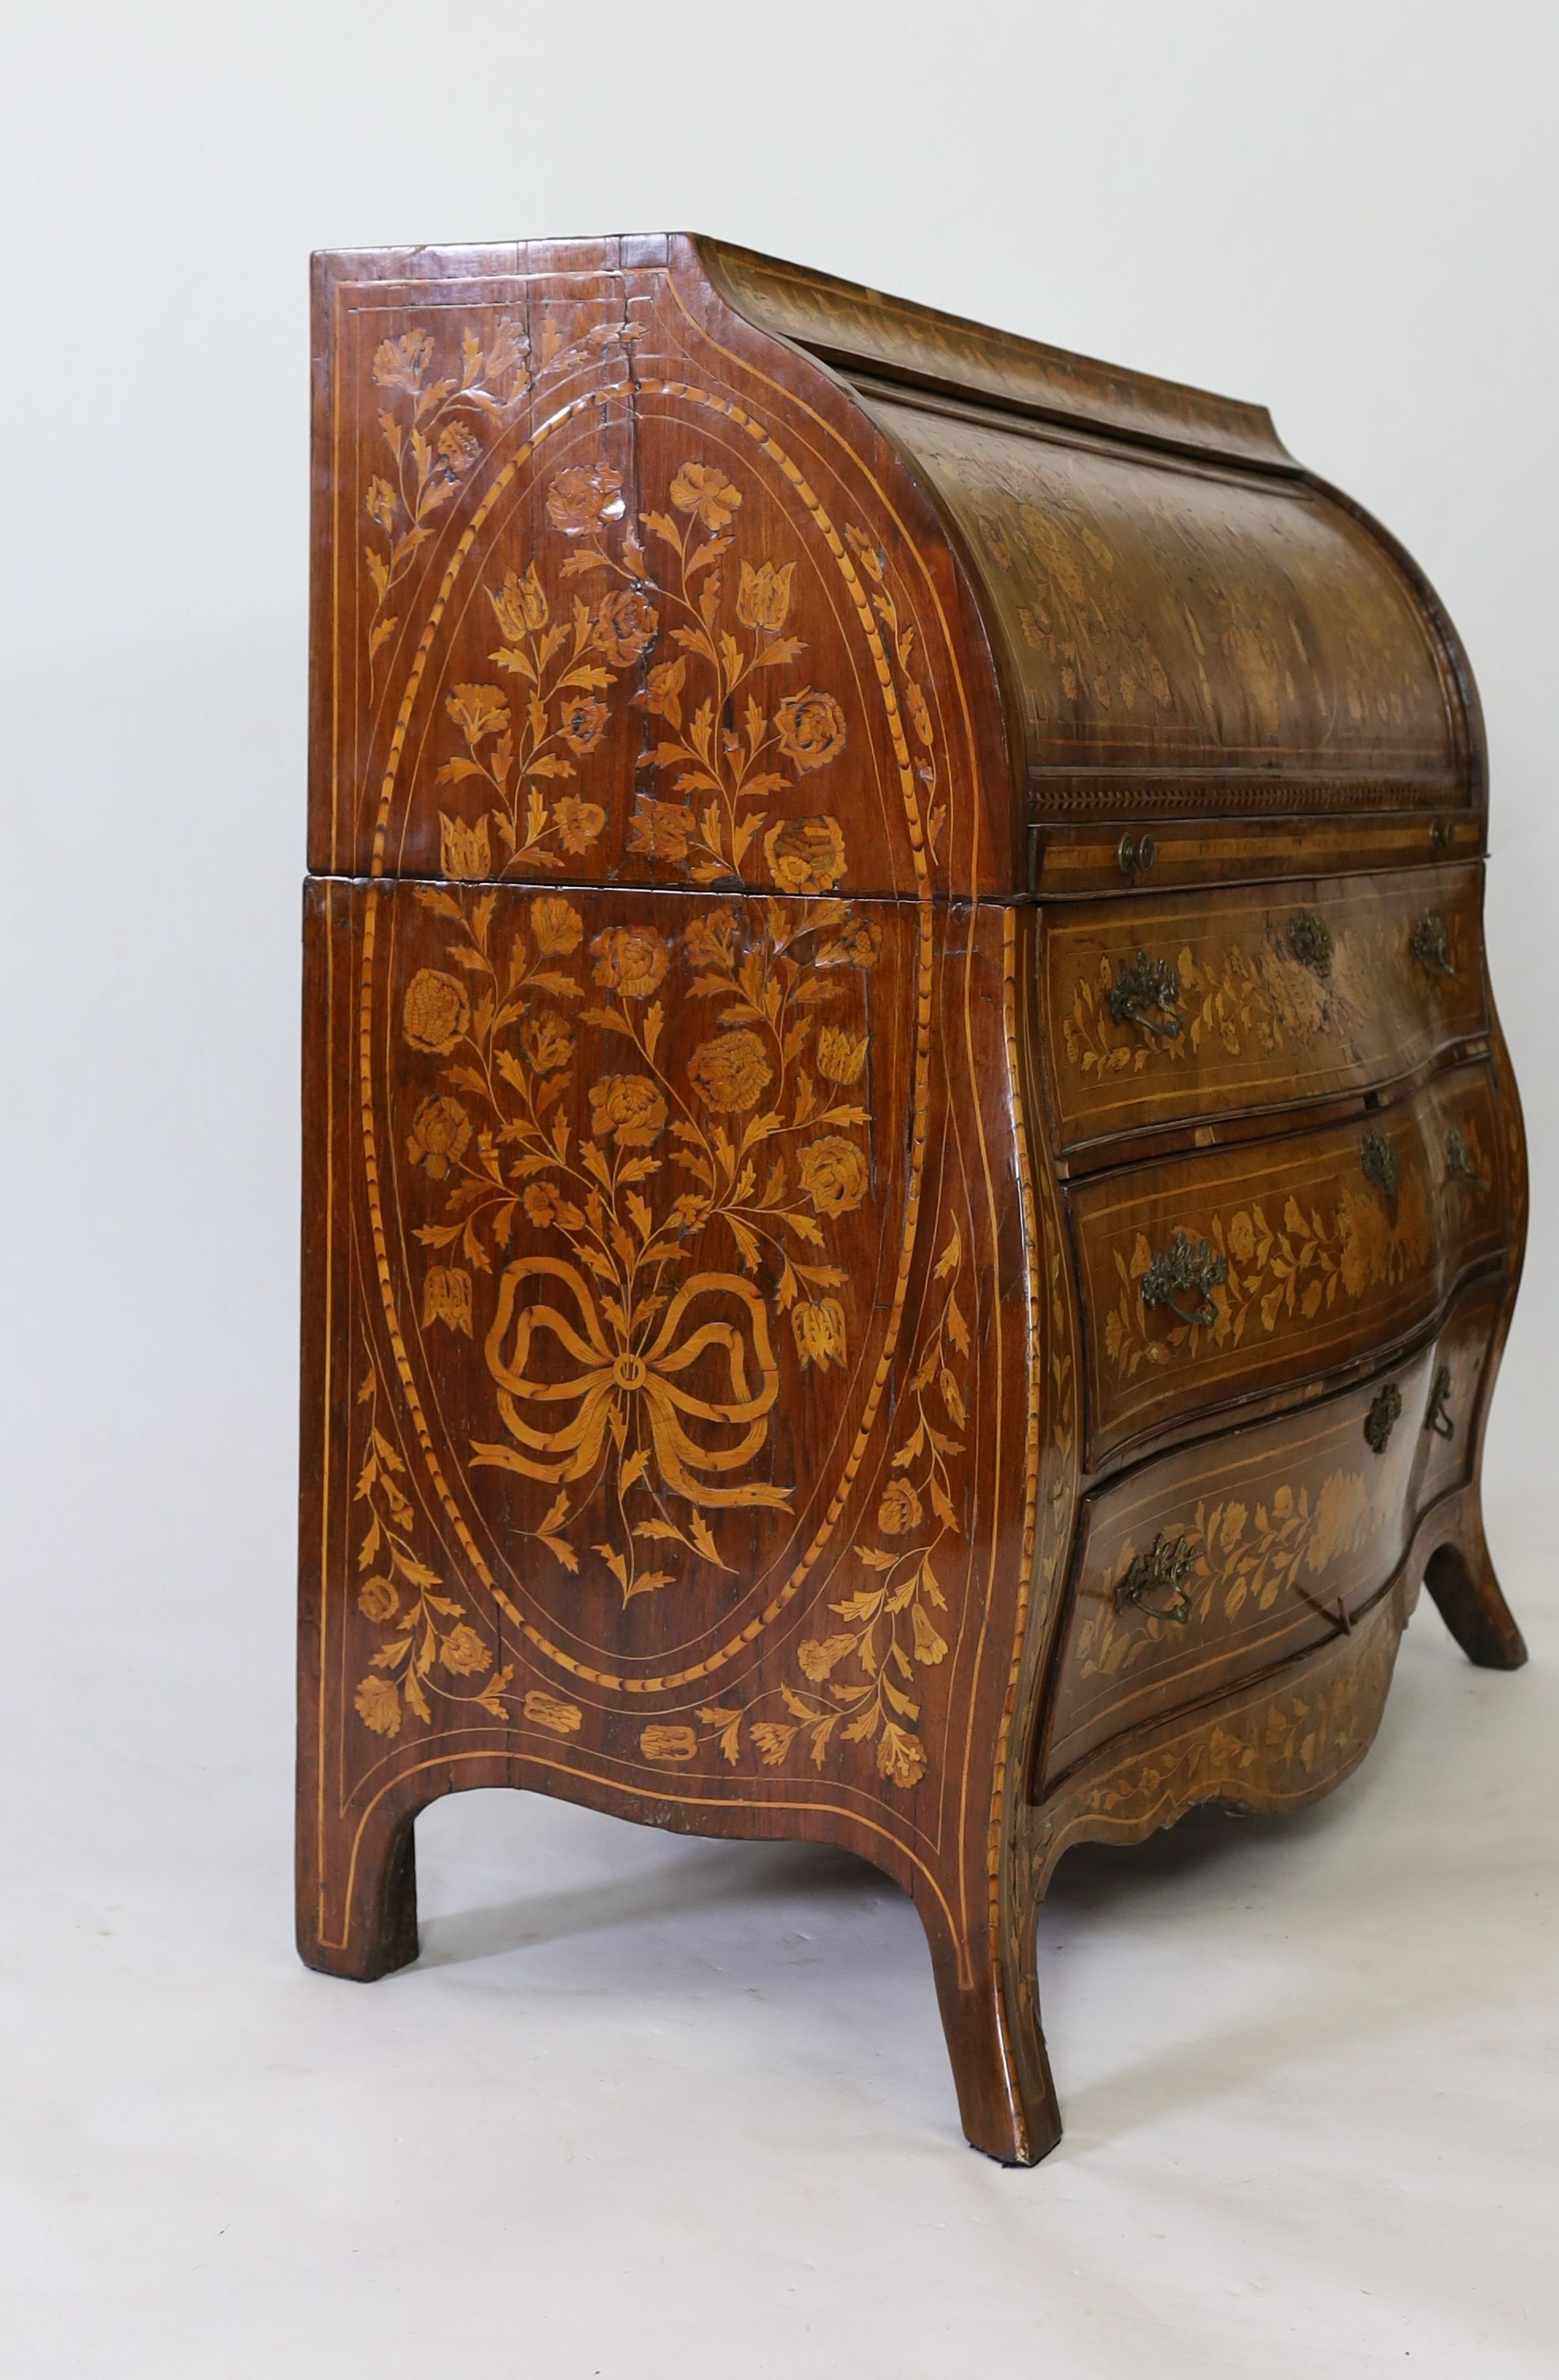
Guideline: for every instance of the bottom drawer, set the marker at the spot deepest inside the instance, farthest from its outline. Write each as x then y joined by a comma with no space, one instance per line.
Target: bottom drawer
1215,1562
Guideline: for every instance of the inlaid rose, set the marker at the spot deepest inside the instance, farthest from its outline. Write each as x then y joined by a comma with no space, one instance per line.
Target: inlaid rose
731,1073
583,722
900,1510
624,626
440,1132
581,500
833,1174
436,1012
629,959
627,1108
578,823
811,729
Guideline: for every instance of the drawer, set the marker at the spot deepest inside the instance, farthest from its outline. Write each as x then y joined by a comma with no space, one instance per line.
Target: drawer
1234,1272
1160,1010
1212,1563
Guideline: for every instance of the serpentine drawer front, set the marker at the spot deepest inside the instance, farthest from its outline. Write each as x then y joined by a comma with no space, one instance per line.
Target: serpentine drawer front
1198,1574
912,1190
1160,1011
1212,1277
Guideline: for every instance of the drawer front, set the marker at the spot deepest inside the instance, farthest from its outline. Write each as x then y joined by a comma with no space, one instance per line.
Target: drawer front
1233,1273
1208,1565
1160,1010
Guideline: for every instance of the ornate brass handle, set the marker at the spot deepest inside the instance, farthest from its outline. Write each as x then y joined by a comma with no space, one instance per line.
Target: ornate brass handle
1162,1570
1146,992
1310,939
1459,1166
1377,1160
1383,1417
1438,1417
1186,1269
1431,945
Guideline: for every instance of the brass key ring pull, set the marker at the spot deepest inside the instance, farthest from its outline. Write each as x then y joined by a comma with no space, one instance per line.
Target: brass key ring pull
1186,1269
1162,1570
1146,992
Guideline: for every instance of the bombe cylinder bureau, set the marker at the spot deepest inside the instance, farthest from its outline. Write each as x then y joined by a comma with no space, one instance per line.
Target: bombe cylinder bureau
912,1189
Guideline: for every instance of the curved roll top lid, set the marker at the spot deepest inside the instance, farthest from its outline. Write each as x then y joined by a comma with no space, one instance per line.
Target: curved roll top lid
1187,620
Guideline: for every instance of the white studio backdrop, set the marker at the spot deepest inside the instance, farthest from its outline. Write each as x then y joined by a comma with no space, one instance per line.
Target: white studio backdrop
1348,211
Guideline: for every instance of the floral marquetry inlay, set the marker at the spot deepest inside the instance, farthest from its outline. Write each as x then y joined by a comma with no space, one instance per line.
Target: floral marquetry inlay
636,1229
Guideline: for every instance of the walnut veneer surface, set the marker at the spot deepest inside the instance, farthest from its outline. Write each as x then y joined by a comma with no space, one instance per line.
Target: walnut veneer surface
912,1189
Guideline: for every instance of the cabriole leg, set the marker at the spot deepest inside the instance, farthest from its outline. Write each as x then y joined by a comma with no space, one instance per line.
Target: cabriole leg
1461,1578
987,1986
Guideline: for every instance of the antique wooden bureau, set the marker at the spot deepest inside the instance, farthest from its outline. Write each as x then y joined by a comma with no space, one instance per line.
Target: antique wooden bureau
912,1187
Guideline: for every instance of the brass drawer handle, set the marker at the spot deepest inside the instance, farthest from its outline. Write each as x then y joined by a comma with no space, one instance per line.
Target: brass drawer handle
1438,1417
1377,1159
1383,1417
1162,1570
1431,945
1310,939
1184,1269
1459,1166
1147,992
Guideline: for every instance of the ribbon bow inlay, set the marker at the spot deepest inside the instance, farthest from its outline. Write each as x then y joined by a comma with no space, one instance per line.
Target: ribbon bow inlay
627,1377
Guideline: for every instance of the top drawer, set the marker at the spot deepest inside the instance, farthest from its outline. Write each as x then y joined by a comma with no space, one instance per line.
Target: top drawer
1161,1010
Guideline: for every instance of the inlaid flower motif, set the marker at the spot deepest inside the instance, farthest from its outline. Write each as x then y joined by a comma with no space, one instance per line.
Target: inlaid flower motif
522,606
436,1012
457,449
763,595
811,729
662,688
378,1599
401,363
627,1108
578,823
546,1205
699,488
858,943
840,1054
548,1043
663,830
446,1298
478,711
582,500
710,939
817,1325
464,1652
440,1132
629,959
805,855
900,1510
1242,1236
833,1173
668,1743
378,1706
624,626
380,504
464,850
583,722
557,924
731,1073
